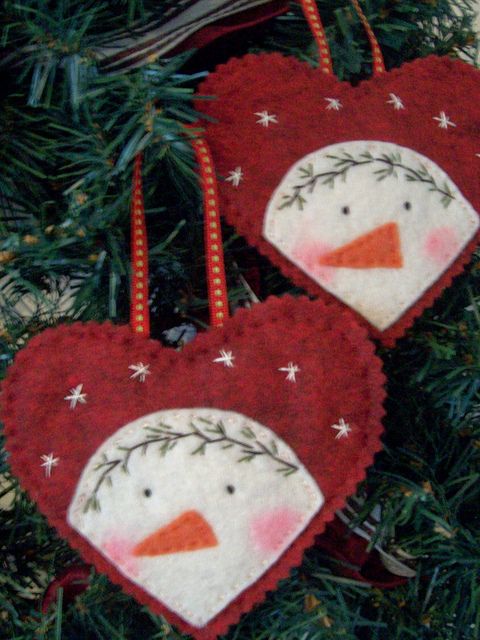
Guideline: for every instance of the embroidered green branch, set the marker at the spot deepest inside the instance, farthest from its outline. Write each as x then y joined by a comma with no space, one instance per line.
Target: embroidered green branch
390,165
209,433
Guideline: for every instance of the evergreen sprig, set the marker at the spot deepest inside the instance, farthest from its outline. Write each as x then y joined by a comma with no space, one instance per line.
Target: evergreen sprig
345,161
210,433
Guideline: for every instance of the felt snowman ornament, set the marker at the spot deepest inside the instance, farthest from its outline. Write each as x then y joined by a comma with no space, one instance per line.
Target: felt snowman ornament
367,194
196,479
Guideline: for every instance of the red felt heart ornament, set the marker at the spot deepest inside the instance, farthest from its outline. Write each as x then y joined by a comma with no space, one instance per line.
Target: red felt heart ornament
196,480
315,172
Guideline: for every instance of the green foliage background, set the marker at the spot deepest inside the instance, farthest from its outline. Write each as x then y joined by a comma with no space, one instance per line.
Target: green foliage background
67,139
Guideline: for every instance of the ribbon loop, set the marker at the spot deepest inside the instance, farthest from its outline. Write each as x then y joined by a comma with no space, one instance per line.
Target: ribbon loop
377,56
312,16
139,312
215,265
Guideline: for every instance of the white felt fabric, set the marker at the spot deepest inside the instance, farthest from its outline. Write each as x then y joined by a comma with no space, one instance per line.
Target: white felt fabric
432,235
254,524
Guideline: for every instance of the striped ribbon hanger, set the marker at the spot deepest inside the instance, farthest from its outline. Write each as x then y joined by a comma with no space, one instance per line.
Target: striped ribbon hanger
310,11
312,16
139,312
377,56
216,280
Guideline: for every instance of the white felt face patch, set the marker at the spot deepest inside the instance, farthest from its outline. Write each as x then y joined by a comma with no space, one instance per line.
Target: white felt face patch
193,505
371,222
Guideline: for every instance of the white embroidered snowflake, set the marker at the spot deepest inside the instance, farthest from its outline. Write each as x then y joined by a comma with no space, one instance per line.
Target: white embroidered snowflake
141,371
396,102
292,370
226,358
265,118
343,429
49,462
235,177
76,396
444,121
333,104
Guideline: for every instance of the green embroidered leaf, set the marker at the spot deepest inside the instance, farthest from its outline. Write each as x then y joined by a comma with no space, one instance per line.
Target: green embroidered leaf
446,200
306,172
246,458
300,201
164,448
289,471
248,433
92,503
154,430
221,428
200,449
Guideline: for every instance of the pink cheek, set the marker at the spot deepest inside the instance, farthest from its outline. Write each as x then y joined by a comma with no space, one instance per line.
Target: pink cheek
270,530
307,255
441,245
118,551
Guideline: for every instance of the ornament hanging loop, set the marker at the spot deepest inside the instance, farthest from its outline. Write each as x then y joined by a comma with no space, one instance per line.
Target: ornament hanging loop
139,312
377,56
310,11
215,264
312,16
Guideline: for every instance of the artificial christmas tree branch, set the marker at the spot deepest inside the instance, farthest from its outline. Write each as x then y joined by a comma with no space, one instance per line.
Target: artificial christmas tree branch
68,136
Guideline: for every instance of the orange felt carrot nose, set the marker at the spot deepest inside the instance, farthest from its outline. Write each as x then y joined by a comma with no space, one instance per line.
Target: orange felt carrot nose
377,248
189,532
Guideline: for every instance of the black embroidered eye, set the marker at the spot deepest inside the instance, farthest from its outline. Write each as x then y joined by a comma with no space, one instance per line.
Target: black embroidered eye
345,210
147,493
407,205
230,488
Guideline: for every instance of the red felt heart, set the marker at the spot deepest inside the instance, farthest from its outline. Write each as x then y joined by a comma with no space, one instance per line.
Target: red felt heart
273,116
303,369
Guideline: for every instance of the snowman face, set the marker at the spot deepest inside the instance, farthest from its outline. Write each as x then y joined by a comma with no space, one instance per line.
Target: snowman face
193,505
373,223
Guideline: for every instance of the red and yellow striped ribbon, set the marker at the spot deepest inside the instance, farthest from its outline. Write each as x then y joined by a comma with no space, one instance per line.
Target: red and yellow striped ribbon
139,313
216,279
378,62
312,16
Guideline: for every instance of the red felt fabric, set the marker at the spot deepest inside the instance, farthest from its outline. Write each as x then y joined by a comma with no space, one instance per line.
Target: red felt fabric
355,560
296,93
340,377
74,580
